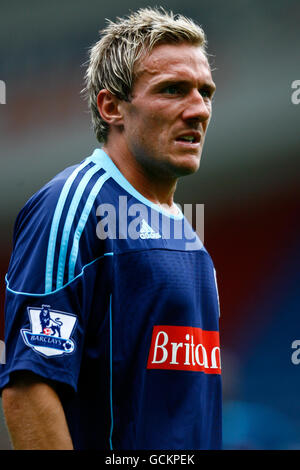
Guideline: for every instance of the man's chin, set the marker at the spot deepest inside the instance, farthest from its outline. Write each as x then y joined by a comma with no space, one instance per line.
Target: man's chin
173,167
187,167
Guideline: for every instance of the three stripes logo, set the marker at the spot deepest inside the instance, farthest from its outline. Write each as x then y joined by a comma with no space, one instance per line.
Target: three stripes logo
63,263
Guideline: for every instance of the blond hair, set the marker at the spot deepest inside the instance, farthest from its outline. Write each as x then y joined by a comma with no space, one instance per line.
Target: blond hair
123,43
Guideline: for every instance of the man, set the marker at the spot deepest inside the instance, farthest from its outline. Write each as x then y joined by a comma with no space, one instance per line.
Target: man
112,317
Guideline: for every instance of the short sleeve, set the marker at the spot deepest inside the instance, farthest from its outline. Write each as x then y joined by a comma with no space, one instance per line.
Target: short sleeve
51,274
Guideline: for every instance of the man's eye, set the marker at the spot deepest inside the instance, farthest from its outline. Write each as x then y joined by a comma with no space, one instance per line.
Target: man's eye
205,93
171,90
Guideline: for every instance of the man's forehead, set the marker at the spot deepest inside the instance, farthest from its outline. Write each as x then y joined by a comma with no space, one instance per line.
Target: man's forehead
174,59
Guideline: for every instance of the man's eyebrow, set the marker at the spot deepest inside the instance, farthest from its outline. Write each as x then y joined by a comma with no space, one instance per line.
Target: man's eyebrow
209,86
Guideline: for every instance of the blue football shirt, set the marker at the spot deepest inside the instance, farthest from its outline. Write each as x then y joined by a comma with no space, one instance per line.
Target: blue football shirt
115,301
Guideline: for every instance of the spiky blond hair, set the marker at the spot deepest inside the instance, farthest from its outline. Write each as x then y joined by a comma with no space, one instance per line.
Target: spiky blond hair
122,44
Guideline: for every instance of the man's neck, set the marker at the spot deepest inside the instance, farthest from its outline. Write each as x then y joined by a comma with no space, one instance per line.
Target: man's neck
160,191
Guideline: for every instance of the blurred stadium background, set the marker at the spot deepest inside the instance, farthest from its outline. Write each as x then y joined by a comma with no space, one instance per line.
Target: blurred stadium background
248,181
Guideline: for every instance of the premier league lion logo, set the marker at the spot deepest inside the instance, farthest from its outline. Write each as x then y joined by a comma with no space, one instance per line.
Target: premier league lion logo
50,332
49,326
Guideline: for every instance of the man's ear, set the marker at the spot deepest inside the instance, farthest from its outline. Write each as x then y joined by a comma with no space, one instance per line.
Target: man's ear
109,107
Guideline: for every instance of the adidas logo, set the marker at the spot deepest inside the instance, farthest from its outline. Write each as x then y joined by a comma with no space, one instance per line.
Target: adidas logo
147,232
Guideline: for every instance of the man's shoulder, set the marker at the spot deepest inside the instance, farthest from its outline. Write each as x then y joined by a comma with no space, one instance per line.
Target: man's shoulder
49,193
68,187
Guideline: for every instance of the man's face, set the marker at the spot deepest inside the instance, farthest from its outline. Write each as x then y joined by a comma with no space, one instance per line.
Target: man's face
167,117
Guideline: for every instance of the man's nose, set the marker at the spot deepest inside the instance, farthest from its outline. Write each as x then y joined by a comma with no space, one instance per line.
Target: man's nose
197,108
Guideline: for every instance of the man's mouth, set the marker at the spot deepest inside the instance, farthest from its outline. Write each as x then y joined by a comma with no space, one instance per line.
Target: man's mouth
190,138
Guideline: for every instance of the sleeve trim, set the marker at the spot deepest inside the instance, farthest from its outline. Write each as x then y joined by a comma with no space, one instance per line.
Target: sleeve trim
51,373
32,294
